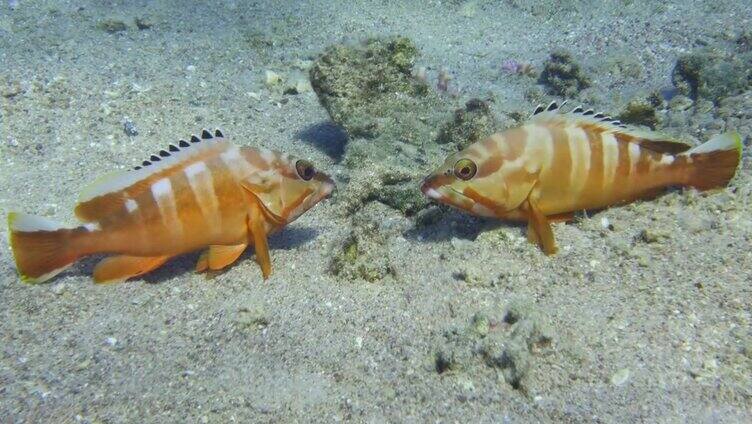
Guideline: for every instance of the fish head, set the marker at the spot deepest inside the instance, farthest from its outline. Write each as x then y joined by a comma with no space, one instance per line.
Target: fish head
466,181
287,186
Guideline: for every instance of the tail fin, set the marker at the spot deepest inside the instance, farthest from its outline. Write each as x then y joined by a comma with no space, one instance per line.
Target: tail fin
42,248
714,162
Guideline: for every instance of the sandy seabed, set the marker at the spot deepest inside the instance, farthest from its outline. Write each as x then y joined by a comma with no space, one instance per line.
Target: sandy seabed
643,319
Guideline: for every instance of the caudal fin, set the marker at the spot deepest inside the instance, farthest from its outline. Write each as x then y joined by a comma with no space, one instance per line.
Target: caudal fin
42,248
714,162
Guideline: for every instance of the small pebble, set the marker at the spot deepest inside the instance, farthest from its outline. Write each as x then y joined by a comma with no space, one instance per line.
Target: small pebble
129,127
59,289
620,377
111,341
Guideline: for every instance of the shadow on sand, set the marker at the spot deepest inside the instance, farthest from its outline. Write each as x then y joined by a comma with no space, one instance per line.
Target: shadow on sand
327,137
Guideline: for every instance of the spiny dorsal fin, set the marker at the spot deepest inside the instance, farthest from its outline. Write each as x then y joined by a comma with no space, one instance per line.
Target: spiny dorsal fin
206,135
96,200
552,107
599,121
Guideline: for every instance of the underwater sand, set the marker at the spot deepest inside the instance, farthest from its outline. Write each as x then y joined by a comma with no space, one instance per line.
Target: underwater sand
648,321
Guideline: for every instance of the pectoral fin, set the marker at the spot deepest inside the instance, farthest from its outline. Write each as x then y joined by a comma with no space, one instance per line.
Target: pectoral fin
256,226
116,269
539,229
218,256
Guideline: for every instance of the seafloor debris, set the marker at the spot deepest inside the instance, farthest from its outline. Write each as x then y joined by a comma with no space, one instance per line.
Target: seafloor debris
472,123
712,74
507,339
562,75
365,254
112,26
516,67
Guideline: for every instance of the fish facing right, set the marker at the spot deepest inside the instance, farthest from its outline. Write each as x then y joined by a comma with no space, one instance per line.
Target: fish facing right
206,192
558,163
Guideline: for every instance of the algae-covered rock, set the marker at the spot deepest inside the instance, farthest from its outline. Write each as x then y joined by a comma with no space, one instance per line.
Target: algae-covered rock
562,75
640,111
370,91
472,123
712,74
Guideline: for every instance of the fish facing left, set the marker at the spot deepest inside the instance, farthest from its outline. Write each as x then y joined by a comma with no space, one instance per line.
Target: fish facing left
204,192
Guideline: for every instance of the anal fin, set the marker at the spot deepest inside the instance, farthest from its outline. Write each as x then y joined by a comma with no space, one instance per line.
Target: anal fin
539,229
116,269
219,256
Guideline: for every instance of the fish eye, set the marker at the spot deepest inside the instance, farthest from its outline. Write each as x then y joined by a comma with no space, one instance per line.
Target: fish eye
465,169
305,169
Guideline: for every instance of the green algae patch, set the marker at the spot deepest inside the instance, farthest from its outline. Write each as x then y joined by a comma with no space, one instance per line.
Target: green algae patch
470,124
712,74
562,75
640,111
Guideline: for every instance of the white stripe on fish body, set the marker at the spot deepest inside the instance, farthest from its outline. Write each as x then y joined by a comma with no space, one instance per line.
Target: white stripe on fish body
201,181
634,157
579,149
268,156
538,154
92,226
236,163
131,205
610,159
164,197
666,159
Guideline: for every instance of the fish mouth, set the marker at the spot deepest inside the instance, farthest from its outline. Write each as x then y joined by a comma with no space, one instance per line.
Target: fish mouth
327,186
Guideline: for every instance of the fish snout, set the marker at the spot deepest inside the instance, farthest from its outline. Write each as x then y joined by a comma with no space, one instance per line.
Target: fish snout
429,187
327,185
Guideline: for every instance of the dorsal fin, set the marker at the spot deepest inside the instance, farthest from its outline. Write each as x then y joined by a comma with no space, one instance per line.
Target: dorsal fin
652,140
552,107
107,193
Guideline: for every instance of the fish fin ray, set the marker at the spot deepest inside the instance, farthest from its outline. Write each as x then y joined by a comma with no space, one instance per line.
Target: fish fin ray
715,162
220,256
540,225
116,269
260,244
41,248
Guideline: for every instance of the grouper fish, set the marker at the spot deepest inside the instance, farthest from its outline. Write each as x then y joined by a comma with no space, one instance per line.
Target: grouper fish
204,192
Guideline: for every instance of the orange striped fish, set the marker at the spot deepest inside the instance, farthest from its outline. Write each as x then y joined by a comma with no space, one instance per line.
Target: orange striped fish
199,193
558,163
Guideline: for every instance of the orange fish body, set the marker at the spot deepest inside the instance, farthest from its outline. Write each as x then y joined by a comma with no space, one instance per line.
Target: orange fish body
559,163
206,192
